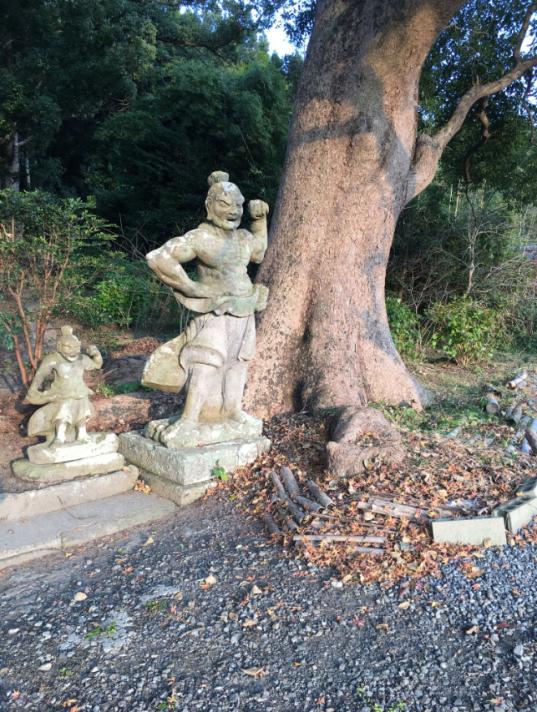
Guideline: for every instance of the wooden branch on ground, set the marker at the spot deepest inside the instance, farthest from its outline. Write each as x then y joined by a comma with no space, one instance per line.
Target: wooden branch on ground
514,383
308,504
289,482
278,486
319,495
337,537
271,525
492,406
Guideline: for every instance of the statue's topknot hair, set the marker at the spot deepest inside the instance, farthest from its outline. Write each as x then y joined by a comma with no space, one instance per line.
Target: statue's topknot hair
218,177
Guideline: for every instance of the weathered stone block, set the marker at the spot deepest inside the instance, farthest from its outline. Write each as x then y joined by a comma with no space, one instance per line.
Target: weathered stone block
63,471
180,494
517,513
32,503
469,531
98,444
189,466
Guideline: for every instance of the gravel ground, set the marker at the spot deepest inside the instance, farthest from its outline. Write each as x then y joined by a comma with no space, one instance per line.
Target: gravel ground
157,632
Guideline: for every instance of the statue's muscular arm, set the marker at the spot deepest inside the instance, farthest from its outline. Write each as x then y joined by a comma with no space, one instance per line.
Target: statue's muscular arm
166,262
35,395
258,210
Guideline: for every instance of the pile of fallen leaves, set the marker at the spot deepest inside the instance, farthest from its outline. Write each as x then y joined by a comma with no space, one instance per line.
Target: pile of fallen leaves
439,474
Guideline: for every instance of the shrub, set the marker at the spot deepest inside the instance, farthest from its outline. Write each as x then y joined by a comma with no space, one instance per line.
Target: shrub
127,296
41,238
464,329
404,326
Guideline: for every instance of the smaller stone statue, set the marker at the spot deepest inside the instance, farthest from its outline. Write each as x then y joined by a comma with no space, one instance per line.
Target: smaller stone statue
59,383
68,451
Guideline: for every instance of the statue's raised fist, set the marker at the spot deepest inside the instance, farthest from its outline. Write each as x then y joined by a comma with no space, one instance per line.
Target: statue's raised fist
258,209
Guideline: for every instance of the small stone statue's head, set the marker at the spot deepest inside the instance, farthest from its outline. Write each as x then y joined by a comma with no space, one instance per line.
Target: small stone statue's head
68,344
224,201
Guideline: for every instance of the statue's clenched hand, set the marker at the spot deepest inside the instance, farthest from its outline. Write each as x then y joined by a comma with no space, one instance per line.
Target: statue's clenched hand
258,209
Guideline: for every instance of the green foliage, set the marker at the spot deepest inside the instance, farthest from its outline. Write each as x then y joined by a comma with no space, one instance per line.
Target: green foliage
464,329
127,296
107,389
404,326
478,46
220,473
41,238
108,630
158,605
152,161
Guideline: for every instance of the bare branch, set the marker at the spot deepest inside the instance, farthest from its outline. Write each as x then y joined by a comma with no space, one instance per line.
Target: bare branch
429,149
485,135
523,31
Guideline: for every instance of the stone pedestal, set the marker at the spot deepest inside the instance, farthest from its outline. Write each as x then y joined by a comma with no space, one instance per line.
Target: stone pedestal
184,474
49,464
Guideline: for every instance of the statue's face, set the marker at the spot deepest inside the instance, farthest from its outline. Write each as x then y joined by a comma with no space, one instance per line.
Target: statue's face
225,209
69,349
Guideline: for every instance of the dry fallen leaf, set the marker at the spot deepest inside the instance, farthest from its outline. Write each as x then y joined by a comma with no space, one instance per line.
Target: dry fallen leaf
404,605
471,631
208,582
149,541
249,623
256,591
141,486
255,671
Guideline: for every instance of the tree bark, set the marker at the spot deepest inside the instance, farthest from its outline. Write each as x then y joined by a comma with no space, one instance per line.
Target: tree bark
324,339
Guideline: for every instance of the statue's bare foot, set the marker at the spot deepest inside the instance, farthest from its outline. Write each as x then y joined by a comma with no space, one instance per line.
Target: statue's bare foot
177,431
155,428
82,436
240,416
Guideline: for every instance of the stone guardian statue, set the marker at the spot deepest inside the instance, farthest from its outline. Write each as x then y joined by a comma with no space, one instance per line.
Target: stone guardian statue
210,358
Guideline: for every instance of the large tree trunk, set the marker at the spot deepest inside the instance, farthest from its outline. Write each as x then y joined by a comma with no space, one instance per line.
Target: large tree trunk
324,338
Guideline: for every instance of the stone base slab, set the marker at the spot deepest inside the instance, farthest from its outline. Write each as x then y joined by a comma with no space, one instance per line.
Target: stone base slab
472,531
63,471
55,531
517,513
98,444
189,466
21,505
179,494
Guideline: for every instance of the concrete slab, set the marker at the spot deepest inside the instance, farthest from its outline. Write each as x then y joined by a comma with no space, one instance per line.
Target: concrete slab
21,505
189,466
56,531
98,444
469,531
517,513
64,471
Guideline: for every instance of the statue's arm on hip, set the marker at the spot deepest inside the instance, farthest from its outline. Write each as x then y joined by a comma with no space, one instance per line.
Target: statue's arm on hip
166,263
